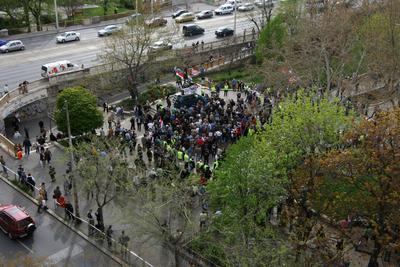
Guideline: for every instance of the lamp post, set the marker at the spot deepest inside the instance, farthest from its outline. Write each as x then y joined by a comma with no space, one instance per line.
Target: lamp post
56,12
234,21
71,154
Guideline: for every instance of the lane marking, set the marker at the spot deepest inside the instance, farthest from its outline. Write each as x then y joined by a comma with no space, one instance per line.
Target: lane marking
25,246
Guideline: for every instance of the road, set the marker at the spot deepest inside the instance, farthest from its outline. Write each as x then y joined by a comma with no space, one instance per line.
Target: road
16,67
52,239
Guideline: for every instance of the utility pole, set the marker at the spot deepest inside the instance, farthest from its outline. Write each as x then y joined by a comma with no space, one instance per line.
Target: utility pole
234,21
56,12
71,154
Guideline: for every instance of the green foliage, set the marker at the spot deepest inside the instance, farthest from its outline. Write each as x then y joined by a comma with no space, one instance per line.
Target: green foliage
23,187
156,92
245,73
272,35
83,112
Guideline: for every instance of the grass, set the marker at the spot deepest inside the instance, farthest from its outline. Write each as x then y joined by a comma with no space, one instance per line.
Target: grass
248,75
98,11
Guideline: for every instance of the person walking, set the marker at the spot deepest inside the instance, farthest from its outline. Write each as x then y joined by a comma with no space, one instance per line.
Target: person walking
52,173
109,233
3,165
123,240
31,182
90,218
27,146
203,219
56,195
47,156
69,210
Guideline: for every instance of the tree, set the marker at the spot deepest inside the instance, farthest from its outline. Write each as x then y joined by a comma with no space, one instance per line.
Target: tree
36,8
128,51
83,112
362,179
70,6
266,14
104,173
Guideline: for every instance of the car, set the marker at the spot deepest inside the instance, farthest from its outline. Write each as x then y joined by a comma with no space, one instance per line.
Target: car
205,14
264,3
185,17
232,3
68,36
188,101
246,7
108,30
224,31
156,22
15,45
15,221
134,17
3,42
179,12
160,45
192,29
224,9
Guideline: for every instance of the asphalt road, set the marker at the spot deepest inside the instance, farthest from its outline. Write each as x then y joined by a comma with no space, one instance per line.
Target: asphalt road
52,239
16,67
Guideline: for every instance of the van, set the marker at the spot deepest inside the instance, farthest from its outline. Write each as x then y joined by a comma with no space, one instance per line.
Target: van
55,68
192,29
224,9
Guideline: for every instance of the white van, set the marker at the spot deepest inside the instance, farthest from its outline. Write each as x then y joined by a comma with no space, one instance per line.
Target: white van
224,9
55,68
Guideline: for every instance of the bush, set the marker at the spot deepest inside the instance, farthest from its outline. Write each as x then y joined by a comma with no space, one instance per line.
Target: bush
156,92
127,104
23,187
208,248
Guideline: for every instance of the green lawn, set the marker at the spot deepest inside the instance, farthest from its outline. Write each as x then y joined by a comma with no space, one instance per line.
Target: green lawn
98,11
248,75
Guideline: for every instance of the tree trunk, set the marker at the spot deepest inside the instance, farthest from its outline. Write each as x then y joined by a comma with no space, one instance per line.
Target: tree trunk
373,260
101,218
176,257
26,17
37,20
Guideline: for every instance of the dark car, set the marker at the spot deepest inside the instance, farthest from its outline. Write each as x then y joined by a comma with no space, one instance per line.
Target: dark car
15,221
205,14
156,22
188,101
3,42
192,29
224,31
179,12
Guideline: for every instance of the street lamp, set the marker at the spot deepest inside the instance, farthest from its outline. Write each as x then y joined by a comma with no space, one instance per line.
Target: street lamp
56,12
75,193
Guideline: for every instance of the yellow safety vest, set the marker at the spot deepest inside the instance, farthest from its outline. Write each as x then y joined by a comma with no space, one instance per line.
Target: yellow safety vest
186,157
226,88
213,88
180,155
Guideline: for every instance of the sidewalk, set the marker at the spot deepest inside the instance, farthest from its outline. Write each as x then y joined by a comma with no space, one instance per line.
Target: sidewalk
194,7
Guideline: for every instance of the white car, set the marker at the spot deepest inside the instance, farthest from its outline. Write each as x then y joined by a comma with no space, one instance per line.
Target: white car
224,9
12,46
160,45
264,3
246,7
108,30
68,37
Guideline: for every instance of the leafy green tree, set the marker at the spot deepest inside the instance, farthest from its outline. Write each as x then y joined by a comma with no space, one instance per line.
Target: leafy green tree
84,115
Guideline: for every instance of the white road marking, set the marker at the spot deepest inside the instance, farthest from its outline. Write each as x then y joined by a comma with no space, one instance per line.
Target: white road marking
25,246
65,253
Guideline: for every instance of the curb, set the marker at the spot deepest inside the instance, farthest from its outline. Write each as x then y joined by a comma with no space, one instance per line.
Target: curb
56,216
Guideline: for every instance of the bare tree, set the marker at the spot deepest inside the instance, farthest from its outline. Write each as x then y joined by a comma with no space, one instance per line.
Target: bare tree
70,6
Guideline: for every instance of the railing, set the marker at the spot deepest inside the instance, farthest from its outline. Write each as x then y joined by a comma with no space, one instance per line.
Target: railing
7,145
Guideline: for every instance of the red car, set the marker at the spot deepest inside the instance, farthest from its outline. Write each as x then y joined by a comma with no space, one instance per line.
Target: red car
15,221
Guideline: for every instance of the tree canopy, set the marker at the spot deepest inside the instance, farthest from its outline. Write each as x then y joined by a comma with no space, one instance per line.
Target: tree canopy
84,115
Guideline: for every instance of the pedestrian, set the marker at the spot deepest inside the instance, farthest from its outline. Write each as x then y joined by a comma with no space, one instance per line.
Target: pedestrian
42,197
52,173
90,218
132,121
67,187
3,165
203,219
5,89
27,146
47,155
124,240
42,157
69,210
56,195
109,233
19,154
30,181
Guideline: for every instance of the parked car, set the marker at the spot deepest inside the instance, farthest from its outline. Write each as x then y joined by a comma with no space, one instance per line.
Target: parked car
14,45
156,22
179,12
205,14
223,31
133,17
68,36
224,9
246,7
185,17
3,42
264,3
16,221
232,2
108,30
160,46
192,29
